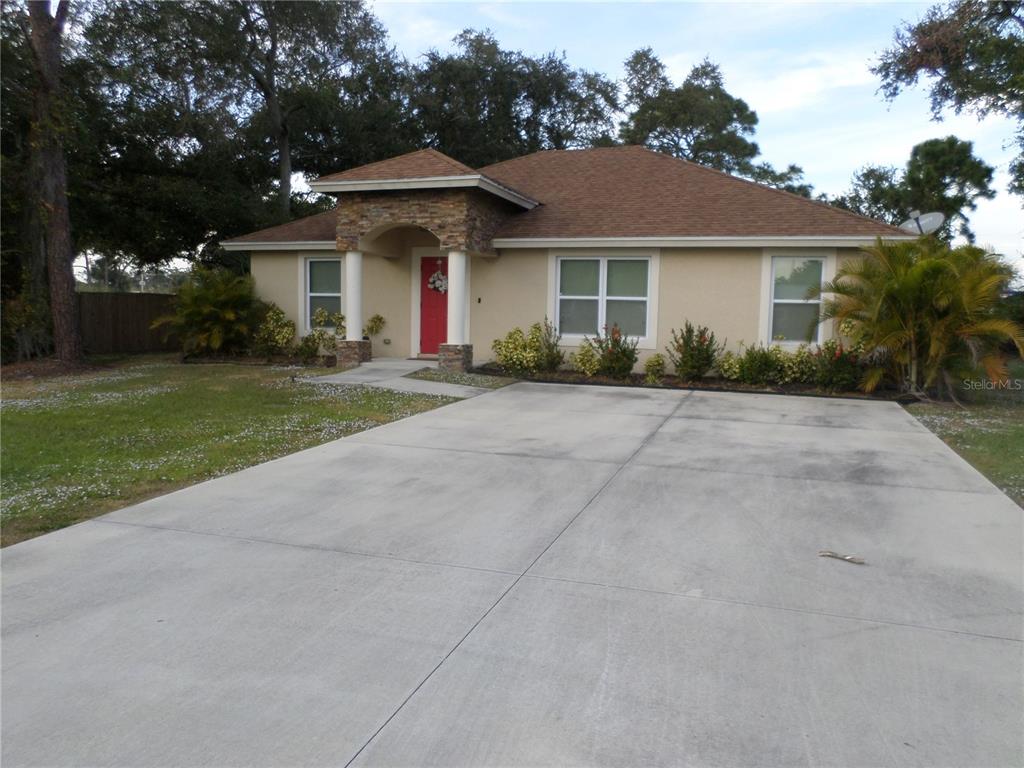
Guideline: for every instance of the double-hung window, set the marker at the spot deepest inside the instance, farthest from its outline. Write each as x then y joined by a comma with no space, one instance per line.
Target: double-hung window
323,287
795,310
599,292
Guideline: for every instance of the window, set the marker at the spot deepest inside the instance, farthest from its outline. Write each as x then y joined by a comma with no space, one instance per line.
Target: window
323,287
794,315
598,292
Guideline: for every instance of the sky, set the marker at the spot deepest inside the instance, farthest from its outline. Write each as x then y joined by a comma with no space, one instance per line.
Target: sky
803,67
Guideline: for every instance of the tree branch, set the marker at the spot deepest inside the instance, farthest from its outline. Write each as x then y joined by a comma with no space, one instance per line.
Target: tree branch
60,17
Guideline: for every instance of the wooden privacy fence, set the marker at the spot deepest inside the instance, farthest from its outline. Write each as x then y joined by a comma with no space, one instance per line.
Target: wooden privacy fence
116,323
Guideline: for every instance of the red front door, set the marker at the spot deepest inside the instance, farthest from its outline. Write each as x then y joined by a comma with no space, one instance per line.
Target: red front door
433,304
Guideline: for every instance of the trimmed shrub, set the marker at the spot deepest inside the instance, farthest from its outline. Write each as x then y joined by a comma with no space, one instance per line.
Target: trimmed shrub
728,366
693,351
829,367
333,320
544,339
274,335
323,339
585,359
797,367
760,366
654,369
838,370
617,353
514,353
521,353
308,349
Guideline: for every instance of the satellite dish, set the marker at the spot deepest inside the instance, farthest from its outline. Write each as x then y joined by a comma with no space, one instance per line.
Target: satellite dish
923,223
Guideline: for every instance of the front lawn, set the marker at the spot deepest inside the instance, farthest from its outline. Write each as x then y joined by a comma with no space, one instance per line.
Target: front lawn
988,431
76,446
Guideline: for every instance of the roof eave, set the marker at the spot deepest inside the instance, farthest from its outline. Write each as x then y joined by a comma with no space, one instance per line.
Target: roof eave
755,241
427,182
283,245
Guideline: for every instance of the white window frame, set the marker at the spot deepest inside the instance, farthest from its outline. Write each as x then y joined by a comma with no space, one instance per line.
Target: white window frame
827,268
307,323
573,339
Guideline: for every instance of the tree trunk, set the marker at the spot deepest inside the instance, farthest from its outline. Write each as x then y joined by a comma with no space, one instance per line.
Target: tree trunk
266,80
284,157
51,184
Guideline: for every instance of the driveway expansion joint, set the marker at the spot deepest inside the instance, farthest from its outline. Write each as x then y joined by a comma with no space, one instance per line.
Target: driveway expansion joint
522,575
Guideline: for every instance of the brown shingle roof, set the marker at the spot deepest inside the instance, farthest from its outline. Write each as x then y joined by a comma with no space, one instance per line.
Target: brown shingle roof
613,192
634,192
315,228
421,164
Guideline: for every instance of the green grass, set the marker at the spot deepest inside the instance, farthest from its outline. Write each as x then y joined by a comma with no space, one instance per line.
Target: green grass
73,447
988,431
466,379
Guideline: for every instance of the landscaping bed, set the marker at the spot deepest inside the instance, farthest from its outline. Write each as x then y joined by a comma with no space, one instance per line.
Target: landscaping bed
76,445
715,384
481,377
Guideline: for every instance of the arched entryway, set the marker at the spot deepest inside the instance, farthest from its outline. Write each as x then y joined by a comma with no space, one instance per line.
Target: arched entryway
429,281
455,222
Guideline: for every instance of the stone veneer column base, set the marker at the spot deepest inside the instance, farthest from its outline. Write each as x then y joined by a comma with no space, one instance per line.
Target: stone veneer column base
455,357
353,352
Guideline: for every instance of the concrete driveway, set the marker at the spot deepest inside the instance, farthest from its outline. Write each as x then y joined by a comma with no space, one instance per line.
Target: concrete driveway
544,575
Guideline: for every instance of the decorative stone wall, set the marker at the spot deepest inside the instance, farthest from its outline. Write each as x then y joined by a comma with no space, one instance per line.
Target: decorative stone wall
461,219
455,357
352,353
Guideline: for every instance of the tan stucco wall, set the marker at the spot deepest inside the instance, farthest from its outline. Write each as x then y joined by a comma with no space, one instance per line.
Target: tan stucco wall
716,287
276,278
386,286
506,292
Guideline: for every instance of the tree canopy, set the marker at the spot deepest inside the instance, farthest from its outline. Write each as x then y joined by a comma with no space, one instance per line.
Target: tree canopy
698,120
482,104
941,175
184,123
972,53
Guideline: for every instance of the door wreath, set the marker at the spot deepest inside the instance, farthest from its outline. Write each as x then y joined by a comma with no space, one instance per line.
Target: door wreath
438,282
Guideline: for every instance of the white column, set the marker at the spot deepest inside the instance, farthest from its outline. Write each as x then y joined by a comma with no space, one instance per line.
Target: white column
456,297
353,295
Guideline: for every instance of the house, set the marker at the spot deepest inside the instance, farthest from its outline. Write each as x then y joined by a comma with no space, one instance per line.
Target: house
455,257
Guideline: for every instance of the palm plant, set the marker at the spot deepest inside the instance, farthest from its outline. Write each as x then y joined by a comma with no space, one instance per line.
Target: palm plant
215,311
924,313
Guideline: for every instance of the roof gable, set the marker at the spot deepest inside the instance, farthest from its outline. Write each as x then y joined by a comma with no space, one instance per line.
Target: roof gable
421,164
635,192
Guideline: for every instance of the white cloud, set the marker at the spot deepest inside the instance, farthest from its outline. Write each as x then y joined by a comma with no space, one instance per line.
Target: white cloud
506,15
999,223
414,27
807,80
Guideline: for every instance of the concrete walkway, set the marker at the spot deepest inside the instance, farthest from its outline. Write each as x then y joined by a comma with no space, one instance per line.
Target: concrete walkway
389,373
544,575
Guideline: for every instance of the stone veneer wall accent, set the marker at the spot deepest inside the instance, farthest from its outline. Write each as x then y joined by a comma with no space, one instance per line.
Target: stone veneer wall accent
353,352
461,219
455,357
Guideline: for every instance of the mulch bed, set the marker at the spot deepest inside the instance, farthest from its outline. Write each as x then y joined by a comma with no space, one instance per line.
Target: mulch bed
672,382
